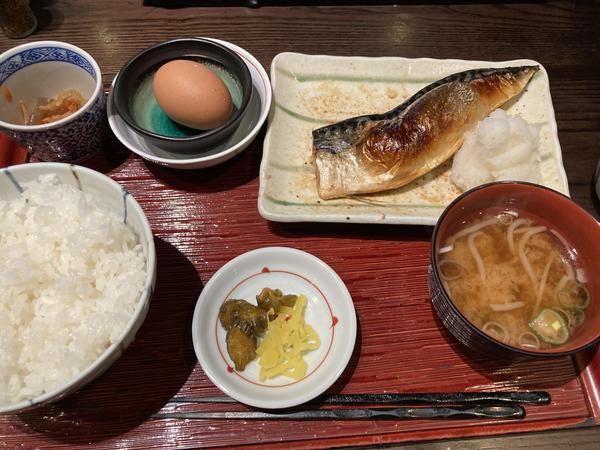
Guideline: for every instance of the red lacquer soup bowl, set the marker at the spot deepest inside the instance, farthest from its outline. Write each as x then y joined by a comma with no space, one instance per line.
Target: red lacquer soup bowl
545,207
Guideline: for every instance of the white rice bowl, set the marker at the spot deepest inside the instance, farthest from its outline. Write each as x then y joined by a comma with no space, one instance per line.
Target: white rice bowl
77,269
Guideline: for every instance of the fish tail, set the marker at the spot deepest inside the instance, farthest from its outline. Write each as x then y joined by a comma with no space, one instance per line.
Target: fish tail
465,76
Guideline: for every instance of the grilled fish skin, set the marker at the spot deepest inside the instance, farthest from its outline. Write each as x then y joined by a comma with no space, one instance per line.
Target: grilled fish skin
378,152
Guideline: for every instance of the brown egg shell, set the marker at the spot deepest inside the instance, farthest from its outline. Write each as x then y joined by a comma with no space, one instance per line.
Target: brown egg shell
192,94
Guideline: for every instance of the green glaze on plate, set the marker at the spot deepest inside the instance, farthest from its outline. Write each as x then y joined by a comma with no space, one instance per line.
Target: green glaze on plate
148,114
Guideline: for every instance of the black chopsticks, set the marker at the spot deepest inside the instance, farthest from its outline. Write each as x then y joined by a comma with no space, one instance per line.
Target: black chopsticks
434,398
435,412
461,405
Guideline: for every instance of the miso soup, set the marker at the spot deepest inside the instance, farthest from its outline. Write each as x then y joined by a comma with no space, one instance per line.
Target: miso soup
516,280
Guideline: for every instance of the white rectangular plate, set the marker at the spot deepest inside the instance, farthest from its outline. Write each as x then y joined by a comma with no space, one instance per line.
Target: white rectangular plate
311,91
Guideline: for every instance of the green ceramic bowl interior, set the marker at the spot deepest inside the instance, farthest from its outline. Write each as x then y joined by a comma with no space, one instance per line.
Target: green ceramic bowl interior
148,115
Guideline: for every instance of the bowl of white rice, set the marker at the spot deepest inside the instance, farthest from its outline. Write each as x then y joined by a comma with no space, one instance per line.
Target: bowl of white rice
77,270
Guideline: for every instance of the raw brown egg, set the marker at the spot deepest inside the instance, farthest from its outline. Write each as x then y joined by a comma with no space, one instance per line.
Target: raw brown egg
191,94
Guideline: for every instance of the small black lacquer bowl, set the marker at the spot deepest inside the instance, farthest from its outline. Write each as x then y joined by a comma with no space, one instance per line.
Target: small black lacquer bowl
134,101
545,206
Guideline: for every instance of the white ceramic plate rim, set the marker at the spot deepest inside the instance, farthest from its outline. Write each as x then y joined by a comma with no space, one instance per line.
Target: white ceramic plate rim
327,374
346,216
265,107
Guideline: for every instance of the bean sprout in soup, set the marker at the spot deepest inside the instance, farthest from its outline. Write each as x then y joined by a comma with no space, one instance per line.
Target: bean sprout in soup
515,279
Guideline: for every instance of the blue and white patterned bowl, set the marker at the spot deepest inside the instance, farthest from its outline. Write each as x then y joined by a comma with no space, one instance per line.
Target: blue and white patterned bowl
44,69
116,198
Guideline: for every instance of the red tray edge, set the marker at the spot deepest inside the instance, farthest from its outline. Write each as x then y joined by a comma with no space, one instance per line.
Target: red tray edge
422,436
11,153
588,365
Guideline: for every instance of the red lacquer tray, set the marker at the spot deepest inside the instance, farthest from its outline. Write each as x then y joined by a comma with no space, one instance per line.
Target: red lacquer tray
201,219
10,152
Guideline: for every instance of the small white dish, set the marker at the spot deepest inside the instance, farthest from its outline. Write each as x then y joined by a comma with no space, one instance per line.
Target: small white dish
250,125
329,311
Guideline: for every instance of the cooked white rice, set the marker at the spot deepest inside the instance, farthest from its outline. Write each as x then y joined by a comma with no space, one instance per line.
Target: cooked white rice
71,273
503,147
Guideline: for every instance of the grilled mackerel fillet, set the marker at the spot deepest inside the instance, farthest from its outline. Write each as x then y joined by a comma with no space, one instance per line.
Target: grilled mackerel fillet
384,151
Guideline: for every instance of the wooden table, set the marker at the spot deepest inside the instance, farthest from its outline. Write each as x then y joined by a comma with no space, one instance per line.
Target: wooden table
201,219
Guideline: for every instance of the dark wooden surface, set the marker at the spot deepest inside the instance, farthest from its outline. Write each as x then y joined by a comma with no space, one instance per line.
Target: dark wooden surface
203,218
563,36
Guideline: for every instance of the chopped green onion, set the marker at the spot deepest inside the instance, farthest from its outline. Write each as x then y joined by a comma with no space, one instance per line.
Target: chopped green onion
574,297
529,340
564,314
550,327
576,316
